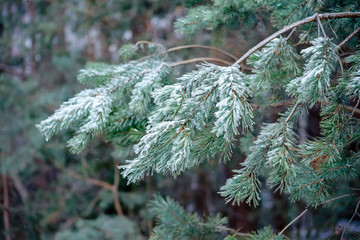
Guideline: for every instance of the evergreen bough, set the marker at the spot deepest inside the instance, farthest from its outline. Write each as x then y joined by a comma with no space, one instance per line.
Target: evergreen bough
176,123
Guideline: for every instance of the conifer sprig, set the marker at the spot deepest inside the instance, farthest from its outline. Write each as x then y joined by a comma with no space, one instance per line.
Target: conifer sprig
273,149
210,101
89,111
314,84
175,223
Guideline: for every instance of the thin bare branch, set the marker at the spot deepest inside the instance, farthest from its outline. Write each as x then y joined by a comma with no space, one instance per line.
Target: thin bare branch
292,113
347,225
201,46
6,214
346,108
353,111
89,180
12,71
115,189
341,66
332,29
20,188
338,197
93,203
294,220
348,38
307,208
232,231
202,59
144,42
291,33
320,24
293,25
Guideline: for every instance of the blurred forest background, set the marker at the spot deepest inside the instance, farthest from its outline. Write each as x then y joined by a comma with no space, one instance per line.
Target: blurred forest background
48,193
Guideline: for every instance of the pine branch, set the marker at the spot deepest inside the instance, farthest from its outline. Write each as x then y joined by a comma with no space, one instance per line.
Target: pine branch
211,98
296,24
173,220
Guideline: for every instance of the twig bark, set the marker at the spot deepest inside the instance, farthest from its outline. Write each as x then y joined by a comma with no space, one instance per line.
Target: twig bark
93,203
115,189
232,231
296,24
6,214
21,189
12,71
348,38
202,59
292,113
89,180
352,217
320,24
290,34
201,46
353,111
294,220
307,208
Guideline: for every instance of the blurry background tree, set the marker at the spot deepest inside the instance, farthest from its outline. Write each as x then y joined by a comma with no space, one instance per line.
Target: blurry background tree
49,193
43,44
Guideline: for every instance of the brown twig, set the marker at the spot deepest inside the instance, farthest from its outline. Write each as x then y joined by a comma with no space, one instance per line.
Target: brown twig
294,220
346,108
115,189
202,59
341,66
96,182
296,24
291,33
12,71
352,217
20,188
201,46
143,42
93,181
292,113
348,38
353,111
232,231
6,214
320,24
307,208
93,203
332,29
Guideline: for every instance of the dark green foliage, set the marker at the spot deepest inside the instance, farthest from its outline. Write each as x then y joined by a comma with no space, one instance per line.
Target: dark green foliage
277,58
103,227
264,234
175,223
